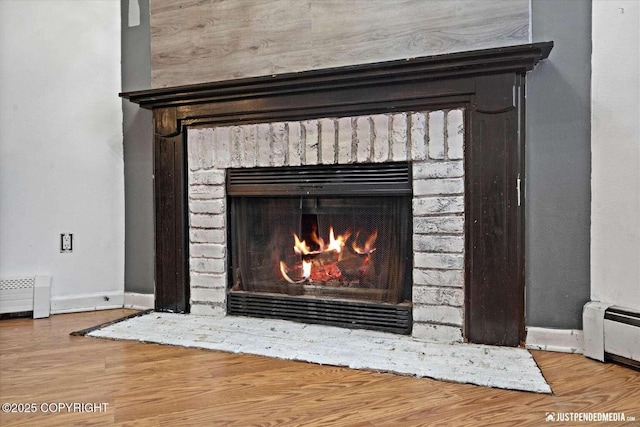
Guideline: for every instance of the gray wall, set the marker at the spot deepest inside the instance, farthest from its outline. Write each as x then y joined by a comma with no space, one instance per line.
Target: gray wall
138,154
558,166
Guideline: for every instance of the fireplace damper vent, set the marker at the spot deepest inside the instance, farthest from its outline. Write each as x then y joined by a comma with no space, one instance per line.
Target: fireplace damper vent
353,179
346,314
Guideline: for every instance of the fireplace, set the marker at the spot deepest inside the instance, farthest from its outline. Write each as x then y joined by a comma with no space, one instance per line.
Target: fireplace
324,244
351,221
467,274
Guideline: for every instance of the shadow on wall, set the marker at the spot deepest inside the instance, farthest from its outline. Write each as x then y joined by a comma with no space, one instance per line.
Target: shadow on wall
138,175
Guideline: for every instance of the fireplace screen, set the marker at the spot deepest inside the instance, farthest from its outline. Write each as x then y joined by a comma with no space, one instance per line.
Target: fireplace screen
340,232
328,247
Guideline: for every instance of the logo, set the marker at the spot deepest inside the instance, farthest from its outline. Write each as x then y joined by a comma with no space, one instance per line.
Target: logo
550,416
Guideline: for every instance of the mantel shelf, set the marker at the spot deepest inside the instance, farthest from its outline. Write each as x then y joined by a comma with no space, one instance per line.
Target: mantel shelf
519,59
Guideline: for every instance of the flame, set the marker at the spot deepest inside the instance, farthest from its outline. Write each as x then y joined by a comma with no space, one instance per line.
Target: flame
300,247
306,269
337,243
324,270
368,244
306,272
317,240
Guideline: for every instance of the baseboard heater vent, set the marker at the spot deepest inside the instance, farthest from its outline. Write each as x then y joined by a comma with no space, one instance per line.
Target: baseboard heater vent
26,294
622,336
346,314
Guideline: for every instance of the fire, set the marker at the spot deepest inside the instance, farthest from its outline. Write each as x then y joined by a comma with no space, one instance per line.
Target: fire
306,269
300,247
336,244
368,244
325,261
306,272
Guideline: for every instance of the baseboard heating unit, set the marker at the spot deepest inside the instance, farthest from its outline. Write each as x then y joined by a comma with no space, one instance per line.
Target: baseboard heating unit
26,294
622,336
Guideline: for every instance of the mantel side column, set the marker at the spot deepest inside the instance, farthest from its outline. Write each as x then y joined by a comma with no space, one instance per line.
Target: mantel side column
494,294
171,241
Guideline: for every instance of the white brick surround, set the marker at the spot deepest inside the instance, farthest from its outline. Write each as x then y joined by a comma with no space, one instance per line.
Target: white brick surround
432,141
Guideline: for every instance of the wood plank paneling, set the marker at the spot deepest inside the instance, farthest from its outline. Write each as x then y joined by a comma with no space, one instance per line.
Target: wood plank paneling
202,41
155,385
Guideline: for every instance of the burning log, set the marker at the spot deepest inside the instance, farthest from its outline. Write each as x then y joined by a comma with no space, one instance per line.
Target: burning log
350,265
331,264
324,266
319,259
357,267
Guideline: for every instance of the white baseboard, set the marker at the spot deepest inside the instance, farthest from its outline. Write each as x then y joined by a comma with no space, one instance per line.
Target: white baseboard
87,302
139,301
560,340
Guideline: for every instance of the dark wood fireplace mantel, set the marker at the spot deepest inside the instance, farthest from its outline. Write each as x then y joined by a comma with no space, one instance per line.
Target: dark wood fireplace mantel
488,83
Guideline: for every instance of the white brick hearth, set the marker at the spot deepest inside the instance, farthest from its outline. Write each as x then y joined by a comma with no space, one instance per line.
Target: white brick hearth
432,141
503,367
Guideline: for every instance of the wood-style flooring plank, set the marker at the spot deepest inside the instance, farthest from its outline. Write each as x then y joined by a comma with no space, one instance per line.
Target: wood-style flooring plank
155,385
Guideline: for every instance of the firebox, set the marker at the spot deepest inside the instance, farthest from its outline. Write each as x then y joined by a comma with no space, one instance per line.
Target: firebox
326,244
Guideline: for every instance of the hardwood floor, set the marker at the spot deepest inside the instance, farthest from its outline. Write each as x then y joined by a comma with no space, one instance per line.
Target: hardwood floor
154,385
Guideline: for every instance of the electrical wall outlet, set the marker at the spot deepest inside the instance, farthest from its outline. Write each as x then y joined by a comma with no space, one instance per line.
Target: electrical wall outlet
66,243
